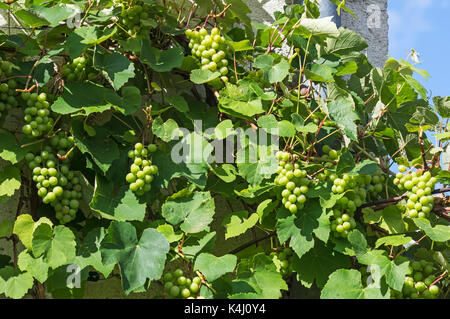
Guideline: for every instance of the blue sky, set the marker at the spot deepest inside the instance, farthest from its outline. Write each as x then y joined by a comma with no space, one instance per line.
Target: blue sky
425,26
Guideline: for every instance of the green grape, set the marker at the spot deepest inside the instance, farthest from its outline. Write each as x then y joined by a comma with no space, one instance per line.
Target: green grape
8,95
293,182
194,288
174,291
178,273
284,261
419,186
37,115
210,50
196,280
185,293
57,185
416,288
141,170
434,290
181,280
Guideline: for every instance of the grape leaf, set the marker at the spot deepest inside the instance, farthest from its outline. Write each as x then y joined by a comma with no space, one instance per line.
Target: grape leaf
366,167
161,61
393,221
168,231
31,19
115,67
358,242
395,270
346,284
341,110
36,267
166,131
260,278
116,203
10,180
87,98
89,254
318,263
438,233
238,223
10,149
320,73
200,76
56,245
194,212
101,147
264,62
205,243
214,267
396,240
442,105
278,72
16,287
322,27
348,41
54,14
6,228
24,227
255,163
138,259
300,229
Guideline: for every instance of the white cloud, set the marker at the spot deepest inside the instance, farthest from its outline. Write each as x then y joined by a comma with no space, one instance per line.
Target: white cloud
408,20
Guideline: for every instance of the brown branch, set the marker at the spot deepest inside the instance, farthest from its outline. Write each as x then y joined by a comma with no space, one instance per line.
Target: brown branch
22,45
18,211
317,159
242,247
375,227
222,13
441,213
440,278
422,151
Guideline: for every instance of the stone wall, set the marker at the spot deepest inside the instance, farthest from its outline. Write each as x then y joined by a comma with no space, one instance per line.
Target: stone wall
372,22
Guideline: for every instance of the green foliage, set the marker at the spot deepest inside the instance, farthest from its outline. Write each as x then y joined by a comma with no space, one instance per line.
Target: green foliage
142,140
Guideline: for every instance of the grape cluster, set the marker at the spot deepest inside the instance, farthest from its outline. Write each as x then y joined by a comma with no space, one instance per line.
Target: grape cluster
6,68
211,49
78,70
419,186
8,95
420,283
284,258
177,285
37,114
317,117
294,181
342,223
361,188
358,189
57,185
329,152
141,171
133,18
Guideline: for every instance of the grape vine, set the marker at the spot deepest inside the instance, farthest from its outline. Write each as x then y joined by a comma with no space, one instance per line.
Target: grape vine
196,154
